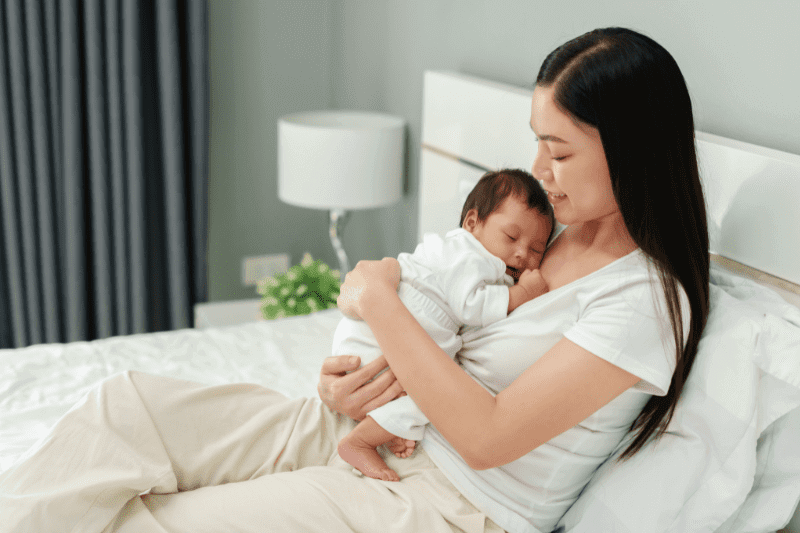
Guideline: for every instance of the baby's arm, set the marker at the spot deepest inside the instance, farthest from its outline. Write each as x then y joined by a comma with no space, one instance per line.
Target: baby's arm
530,285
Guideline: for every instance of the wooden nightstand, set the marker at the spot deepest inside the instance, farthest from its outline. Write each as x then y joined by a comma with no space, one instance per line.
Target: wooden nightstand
230,313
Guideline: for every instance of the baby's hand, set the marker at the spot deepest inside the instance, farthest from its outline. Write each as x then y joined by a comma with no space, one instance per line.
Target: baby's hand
533,282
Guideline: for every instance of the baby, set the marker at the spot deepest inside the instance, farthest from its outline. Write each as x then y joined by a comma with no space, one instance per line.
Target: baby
475,276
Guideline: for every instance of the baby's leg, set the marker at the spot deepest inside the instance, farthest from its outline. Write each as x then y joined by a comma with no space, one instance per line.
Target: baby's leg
358,449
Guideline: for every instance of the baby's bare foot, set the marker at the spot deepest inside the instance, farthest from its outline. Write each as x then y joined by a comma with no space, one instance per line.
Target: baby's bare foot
366,460
401,447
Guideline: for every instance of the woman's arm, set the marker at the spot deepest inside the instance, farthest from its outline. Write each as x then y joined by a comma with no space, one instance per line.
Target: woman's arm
561,389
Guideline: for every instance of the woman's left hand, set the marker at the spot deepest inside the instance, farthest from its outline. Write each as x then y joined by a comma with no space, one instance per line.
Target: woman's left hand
354,391
369,281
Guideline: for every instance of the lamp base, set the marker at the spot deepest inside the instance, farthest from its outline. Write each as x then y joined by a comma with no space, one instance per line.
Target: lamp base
338,219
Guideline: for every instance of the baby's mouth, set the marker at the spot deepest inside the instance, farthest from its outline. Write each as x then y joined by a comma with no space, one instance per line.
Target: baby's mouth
513,272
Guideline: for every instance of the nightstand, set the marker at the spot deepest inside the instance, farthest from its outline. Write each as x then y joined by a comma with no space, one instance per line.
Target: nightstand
230,313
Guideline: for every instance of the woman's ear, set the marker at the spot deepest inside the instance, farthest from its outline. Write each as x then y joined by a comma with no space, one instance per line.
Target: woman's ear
471,220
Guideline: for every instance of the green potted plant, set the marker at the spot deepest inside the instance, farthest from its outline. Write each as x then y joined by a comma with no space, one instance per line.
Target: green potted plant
305,288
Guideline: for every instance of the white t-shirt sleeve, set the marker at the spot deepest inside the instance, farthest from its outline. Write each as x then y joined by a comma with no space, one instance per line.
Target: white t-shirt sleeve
630,329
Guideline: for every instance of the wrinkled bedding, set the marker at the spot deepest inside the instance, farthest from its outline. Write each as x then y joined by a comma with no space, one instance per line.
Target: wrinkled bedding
40,383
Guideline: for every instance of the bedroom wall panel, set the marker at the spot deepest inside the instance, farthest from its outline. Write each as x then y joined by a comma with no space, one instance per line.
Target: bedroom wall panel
486,124
744,182
442,197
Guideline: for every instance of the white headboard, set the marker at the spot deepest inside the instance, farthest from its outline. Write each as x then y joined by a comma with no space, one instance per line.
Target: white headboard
471,125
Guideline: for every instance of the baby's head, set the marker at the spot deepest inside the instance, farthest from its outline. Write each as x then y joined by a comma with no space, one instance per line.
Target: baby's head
509,214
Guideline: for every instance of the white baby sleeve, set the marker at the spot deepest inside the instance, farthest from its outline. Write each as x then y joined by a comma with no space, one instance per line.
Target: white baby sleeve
473,285
401,417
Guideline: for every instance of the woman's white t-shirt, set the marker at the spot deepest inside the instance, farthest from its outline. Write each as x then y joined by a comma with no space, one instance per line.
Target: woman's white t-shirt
617,313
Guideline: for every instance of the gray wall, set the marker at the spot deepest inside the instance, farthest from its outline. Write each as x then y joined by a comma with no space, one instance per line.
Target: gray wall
266,59
741,60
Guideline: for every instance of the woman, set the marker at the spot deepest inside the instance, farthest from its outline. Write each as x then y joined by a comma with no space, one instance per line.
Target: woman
521,421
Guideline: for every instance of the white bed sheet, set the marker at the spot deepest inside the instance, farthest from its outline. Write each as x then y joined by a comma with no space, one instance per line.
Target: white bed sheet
40,383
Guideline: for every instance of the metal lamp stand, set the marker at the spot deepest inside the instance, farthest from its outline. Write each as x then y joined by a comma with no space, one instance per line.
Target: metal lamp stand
338,219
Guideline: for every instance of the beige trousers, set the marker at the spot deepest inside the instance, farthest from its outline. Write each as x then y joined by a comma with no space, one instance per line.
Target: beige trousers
149,454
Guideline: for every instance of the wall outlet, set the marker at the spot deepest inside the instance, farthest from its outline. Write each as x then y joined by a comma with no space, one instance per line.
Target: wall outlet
254,269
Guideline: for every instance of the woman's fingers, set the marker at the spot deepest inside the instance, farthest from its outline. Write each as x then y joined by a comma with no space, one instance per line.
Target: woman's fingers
340,365
355,379
348,393
370,370
390,387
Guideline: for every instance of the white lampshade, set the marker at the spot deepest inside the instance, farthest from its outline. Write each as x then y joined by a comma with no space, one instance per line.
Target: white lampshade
340,159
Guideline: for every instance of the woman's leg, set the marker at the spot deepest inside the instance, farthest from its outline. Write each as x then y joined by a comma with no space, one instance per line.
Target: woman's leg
138,433
329,499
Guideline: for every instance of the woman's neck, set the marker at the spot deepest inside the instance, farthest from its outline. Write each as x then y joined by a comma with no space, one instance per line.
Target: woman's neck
583,248
607,235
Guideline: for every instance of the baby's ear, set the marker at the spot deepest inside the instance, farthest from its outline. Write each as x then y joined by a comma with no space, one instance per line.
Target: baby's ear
471,220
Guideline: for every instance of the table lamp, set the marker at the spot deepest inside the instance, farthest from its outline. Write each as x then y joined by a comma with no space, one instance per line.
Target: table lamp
340,161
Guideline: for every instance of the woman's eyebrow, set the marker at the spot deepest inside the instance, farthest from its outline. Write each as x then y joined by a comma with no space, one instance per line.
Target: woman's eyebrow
551,138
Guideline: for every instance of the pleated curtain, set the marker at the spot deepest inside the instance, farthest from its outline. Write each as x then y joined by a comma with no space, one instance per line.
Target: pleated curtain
103,167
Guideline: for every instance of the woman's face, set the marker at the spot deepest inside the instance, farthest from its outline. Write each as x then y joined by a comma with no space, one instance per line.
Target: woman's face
570,163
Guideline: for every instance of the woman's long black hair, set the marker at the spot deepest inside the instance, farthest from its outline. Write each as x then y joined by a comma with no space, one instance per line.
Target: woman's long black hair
630,89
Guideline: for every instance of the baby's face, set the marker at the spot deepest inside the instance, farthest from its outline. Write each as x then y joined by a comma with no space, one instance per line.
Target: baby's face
514,233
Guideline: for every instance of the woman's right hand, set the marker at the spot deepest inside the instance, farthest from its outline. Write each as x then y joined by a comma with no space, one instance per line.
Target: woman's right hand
347,389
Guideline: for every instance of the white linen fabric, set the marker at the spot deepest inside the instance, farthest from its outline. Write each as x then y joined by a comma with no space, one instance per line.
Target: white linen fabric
775,493
614,312
446,283
700,475
39,384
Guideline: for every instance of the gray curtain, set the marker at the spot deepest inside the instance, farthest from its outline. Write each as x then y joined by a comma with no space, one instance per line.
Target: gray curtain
103,167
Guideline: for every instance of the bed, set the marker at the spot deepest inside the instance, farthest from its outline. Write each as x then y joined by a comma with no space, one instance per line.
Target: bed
730,461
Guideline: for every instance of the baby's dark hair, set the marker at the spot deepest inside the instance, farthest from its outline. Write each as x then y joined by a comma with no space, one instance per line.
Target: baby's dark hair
494,187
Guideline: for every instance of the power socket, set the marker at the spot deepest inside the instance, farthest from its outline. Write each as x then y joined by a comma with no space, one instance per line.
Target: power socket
256,268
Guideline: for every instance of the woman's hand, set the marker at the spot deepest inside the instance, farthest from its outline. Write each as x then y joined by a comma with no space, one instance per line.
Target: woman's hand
370,281
353,394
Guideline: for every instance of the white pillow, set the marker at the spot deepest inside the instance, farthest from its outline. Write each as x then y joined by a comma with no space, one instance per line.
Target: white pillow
776,490
699,474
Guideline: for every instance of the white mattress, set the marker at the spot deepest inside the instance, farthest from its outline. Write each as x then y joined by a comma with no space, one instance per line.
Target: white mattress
40,383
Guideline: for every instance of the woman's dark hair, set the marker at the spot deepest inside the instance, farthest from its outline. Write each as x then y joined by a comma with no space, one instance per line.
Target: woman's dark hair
494,187
630,89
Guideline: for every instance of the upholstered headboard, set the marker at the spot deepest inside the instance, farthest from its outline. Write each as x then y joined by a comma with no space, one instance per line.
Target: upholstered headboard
471,125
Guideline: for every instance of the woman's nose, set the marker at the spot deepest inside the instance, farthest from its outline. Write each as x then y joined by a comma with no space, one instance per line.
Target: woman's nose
540,166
